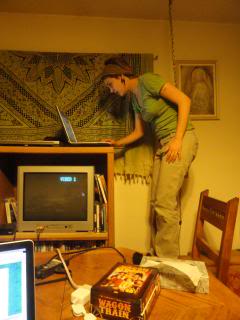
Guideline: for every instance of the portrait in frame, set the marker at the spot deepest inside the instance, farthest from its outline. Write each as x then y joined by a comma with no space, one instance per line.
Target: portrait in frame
197,78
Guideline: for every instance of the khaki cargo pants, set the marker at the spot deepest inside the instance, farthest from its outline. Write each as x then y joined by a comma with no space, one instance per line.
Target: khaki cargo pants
166,184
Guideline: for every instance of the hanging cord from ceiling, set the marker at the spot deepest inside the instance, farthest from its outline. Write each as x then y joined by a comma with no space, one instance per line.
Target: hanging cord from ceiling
172,40
174,67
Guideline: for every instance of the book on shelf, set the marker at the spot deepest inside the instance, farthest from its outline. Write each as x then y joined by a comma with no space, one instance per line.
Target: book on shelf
104,217
101,187
11,211
97,217
101,206
100,217
103,184
126,292
8,211
98,193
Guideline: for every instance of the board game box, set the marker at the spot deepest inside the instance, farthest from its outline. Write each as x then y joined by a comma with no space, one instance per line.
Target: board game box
126,292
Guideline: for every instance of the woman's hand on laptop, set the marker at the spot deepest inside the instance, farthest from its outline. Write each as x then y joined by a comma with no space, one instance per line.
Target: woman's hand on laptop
115,143
111,141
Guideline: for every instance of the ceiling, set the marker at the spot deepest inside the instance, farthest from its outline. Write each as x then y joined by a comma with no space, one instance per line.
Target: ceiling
223,11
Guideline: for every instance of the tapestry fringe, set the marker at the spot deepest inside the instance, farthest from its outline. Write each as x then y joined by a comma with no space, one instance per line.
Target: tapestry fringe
133,178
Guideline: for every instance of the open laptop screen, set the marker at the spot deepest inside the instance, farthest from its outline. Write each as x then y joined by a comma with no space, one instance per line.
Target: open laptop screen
17,281
71,137
67,127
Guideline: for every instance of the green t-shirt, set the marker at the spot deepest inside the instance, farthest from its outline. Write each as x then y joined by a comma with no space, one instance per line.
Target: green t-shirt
159,112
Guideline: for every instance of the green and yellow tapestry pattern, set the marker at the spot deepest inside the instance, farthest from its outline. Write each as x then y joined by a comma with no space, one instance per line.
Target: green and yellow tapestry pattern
32,84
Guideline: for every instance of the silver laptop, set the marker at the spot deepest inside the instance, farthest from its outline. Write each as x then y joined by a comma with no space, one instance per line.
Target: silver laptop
17,298
71,137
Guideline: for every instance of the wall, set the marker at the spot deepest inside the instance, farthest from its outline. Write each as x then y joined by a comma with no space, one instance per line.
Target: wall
217,164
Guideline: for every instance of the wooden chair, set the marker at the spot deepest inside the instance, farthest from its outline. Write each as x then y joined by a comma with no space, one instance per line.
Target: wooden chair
223,216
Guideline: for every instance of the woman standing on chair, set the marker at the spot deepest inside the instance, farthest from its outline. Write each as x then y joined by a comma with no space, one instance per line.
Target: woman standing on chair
167,110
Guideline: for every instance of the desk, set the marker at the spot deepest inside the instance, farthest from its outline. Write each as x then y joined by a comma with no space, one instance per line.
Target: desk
53,300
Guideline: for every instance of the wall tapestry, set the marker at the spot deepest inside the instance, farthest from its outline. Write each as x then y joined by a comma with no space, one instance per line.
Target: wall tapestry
33,83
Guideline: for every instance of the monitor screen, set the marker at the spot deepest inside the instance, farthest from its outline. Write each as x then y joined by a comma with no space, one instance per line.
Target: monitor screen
55,197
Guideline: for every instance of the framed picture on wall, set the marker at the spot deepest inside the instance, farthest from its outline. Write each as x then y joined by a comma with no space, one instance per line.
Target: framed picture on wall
197,78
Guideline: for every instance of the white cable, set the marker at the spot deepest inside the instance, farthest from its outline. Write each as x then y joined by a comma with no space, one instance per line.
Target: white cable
74,285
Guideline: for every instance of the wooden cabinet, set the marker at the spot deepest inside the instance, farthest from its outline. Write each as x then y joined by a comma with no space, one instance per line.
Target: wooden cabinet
101,157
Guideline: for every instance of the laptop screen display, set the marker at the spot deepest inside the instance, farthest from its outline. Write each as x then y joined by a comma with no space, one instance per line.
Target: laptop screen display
13,284
14,295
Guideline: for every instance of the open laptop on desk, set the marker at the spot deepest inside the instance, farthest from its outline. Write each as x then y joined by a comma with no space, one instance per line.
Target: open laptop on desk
71,137
17,298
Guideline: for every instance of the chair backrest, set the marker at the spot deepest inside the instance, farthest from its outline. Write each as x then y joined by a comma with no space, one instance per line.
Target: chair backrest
223,216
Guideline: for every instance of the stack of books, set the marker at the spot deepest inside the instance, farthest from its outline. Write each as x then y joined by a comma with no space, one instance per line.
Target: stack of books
11,210
101,204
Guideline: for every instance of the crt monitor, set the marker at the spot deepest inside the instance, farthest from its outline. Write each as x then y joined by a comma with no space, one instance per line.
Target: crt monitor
55,198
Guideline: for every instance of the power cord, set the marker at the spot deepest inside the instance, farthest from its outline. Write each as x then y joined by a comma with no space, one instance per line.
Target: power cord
57,264
74,285
14,231
39,230
81,295
51,281
75,253
81,251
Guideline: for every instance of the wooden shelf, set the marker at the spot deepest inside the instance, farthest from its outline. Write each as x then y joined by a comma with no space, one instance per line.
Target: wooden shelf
56,149
60,236
101,157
